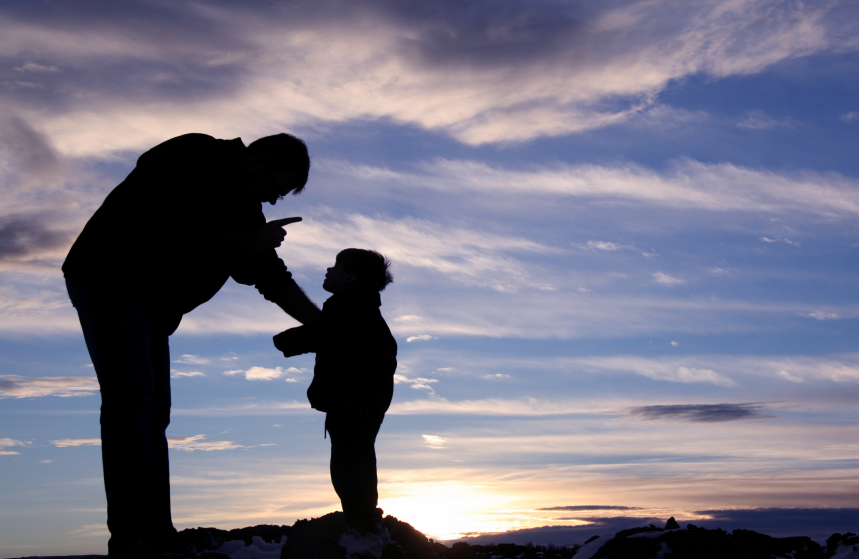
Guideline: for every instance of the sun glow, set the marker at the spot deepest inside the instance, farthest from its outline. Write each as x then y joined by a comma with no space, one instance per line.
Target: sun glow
450,510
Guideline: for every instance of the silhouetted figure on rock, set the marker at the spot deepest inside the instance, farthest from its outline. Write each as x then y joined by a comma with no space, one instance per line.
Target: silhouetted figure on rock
353,380
187,218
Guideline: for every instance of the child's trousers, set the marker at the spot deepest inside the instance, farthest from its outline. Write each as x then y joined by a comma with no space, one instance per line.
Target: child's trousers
353,464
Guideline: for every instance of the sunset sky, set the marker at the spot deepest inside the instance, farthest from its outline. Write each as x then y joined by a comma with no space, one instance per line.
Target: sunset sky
624,237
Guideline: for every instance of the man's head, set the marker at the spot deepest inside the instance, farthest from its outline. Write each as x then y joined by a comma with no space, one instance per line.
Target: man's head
279,165
355,267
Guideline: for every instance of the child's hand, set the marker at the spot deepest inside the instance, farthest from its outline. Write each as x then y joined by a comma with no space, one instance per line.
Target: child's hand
281,342
292,342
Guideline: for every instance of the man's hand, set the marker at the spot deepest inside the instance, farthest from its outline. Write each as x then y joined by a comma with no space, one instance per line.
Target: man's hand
296,304
271,234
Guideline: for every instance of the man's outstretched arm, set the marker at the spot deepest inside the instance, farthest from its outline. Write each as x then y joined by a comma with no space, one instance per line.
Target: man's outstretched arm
296,304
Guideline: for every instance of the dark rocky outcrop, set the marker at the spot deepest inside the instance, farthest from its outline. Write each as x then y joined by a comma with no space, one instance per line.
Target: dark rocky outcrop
700,543
318,538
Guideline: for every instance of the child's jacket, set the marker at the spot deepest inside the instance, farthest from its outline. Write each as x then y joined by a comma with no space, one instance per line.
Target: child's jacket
356,355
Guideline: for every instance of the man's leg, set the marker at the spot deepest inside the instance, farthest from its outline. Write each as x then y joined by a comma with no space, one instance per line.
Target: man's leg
130,357
161,402
353,465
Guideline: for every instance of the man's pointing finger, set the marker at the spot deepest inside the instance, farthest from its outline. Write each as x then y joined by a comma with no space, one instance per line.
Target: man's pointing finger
285,221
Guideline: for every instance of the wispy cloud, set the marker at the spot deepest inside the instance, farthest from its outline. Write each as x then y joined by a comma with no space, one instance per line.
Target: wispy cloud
604,246
262,373
416,383
759,120
180,374
779,240
13,386
516,73
5,443
687,183
833,315
27,237
198,442
523,407
433,441
589,507
64,443
706,413
422,338
662,370
193,360
467,256
664,279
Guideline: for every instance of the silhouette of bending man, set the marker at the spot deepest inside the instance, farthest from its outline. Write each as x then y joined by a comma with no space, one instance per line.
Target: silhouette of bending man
165,240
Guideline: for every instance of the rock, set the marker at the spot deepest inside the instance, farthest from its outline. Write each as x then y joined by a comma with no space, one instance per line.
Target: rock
317,538
701,543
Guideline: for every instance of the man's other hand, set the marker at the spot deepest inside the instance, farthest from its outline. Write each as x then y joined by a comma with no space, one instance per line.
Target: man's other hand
272,234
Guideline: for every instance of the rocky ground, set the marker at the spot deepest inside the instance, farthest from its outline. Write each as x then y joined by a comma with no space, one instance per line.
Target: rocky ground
319,538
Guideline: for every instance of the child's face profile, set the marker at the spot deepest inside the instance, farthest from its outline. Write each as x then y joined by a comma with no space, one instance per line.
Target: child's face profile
337,279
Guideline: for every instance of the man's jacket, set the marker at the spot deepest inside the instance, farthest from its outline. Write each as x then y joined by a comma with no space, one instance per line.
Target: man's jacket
356,355
177,228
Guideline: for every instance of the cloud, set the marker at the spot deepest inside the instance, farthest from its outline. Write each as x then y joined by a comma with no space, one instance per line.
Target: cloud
192,360
417,383
662,370
850,117
604,246
262,373
496,376
423,338
705,413
758,120
589,507
828,315
467,256
5,443
787,376
843,368
517,72
488,407
25,237
13,386
779,240
433,441
686,183
65,443
27,156
179,374
34,67
197,442
665,279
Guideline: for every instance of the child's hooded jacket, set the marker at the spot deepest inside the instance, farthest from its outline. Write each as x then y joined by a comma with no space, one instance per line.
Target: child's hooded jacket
356,354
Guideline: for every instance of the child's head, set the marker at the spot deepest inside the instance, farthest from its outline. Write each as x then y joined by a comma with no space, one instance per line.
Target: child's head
355,267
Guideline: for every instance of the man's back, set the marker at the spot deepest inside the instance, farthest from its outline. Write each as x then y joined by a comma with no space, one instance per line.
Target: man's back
173,231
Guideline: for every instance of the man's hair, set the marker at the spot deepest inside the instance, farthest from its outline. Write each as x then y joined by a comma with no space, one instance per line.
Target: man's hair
287,153
371,267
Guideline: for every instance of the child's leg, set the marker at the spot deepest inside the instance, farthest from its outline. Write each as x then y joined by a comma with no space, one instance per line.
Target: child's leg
353,465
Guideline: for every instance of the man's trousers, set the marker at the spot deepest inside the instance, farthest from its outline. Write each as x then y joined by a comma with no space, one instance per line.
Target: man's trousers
129,350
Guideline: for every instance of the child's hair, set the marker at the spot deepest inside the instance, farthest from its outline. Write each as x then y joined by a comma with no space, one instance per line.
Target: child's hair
370,267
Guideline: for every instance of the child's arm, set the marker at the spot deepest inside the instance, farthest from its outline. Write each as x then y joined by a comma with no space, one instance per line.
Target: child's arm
298,340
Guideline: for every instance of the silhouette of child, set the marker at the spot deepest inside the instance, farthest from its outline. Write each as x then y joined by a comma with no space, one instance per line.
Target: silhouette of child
353,380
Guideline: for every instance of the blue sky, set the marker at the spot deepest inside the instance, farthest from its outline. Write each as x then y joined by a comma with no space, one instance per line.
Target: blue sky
624,239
